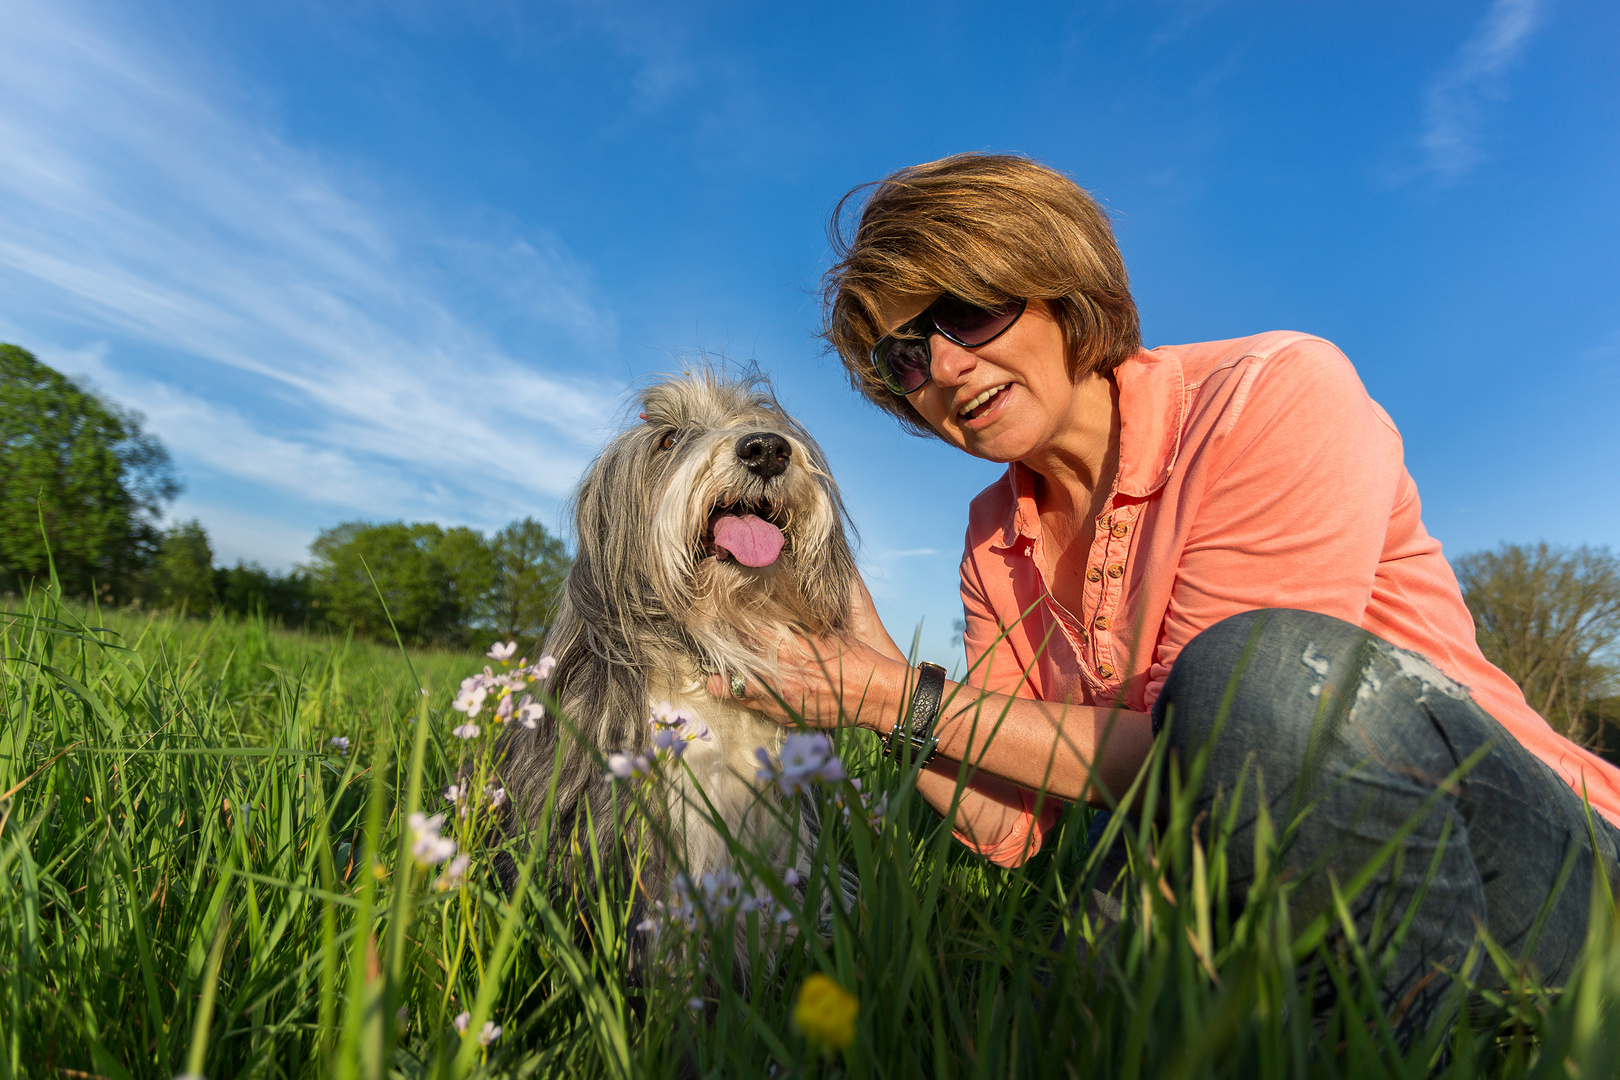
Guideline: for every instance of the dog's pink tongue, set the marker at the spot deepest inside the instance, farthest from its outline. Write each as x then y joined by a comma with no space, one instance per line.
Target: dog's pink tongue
752,540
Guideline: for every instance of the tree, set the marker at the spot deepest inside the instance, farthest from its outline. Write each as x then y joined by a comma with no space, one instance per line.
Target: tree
469,564
531,566
84,468
183,570
429,578
249,589
1549,618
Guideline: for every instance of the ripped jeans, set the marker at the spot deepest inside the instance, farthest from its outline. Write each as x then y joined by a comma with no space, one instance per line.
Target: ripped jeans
1392,730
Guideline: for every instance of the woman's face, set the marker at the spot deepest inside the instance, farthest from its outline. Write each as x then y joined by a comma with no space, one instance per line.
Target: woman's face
1005,401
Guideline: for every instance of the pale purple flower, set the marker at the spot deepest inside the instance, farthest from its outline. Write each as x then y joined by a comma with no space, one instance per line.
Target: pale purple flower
428,848
466,731
462,1021
544,667
529,712
454,792
503,711
454,874
496,796
340,743
627,766
491,1032
667,741
673,729
874,809
695,1004
805,760
502,650
471,698
790,877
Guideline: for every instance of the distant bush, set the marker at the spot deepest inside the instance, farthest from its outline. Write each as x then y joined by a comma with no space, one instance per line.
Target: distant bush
249,589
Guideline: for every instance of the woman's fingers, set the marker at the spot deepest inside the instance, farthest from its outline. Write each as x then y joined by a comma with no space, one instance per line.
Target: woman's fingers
825,681
865,624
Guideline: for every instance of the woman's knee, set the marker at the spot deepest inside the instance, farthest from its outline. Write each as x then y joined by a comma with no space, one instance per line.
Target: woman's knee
1258,678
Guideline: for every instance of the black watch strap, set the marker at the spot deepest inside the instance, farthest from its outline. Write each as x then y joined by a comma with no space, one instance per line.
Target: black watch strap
917,729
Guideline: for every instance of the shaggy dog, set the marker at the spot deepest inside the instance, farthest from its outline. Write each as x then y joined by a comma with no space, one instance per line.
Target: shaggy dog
705,532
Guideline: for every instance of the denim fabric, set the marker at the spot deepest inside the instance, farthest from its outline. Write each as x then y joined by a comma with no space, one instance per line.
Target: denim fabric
1325,712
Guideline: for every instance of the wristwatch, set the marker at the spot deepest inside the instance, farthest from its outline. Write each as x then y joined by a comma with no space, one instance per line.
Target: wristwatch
916,730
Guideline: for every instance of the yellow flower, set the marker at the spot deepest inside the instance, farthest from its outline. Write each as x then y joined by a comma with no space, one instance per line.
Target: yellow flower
826,1013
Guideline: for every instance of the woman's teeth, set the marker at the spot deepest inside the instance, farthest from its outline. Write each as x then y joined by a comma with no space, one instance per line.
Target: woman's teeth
981,399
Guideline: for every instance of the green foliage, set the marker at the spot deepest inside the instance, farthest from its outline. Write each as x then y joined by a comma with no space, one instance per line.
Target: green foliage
250,589
182,574
1550,618
440,585
193,880
411,566
531,567
80,483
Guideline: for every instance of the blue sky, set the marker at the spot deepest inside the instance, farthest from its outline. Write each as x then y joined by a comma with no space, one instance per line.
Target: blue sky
403,260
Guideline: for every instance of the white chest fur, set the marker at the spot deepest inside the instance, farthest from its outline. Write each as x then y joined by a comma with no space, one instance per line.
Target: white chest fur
716,777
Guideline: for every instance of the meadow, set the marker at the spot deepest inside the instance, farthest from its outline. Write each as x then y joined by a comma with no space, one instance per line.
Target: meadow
196,879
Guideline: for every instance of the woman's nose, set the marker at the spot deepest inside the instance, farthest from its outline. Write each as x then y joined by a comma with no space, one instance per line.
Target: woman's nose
948,360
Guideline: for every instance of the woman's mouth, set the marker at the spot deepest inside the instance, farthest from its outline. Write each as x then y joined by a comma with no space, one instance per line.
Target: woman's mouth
981,404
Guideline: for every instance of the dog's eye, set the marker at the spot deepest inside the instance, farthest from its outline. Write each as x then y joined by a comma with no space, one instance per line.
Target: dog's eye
670,440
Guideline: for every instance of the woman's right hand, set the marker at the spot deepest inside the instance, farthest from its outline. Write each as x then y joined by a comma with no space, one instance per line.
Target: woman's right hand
865,625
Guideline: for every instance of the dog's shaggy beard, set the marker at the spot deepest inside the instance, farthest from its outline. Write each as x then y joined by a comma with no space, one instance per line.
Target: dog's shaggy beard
652,607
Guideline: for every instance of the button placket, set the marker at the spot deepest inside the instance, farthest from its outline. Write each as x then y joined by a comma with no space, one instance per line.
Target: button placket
1113,538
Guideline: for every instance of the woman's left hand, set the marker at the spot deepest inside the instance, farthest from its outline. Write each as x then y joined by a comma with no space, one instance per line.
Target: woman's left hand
825,682
833,681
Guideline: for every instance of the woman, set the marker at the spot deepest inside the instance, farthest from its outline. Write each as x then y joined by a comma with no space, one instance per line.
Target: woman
1155,506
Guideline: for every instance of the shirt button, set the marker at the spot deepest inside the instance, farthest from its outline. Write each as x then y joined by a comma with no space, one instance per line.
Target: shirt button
1100,622
1094,574
1105,670
1116,570
1120,529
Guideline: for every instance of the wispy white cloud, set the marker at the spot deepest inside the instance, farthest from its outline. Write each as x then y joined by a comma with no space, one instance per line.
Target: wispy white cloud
1454,104
278,323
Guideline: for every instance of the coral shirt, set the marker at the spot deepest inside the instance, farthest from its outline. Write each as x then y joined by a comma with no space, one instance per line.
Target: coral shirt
1253,473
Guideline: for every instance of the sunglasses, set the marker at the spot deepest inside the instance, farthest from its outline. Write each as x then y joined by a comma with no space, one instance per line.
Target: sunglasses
903,359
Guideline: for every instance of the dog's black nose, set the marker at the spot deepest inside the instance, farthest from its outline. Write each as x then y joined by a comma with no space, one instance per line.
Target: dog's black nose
765,453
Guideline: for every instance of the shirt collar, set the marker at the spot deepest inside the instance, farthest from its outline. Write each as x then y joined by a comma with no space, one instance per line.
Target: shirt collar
1152,410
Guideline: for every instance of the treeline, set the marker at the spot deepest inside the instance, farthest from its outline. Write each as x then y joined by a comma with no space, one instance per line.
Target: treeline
83,488
440,586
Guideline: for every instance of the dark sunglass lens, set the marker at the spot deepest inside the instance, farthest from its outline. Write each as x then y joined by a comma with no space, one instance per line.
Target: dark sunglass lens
908,365
970,324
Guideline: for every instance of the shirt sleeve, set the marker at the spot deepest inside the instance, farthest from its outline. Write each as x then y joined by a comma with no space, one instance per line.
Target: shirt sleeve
1303,470
990,644
994,665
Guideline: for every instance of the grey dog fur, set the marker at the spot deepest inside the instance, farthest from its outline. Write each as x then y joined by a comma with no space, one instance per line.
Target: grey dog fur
648,612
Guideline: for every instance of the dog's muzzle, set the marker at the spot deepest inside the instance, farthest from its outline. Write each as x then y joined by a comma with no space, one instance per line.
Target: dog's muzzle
764,453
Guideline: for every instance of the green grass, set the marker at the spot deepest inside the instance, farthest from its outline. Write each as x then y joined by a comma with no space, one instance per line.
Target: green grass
193,881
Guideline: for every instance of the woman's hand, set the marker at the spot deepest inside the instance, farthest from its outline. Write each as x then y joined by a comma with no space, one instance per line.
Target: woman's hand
854,678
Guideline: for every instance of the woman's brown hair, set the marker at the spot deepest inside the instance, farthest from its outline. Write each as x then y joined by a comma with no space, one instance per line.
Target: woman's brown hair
987,228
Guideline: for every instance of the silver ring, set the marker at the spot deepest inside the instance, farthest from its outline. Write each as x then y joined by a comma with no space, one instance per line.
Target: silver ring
739,687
